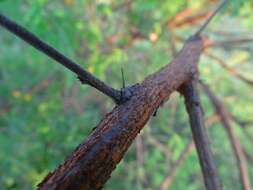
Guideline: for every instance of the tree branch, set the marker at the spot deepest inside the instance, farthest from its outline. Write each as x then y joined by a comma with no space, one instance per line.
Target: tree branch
235,143
227,42
208,43
211,17
231,71
91,164
248,156
193,107
82,74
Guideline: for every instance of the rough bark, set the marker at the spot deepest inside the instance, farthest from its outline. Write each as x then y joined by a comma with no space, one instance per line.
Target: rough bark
200,137
194,110
91,164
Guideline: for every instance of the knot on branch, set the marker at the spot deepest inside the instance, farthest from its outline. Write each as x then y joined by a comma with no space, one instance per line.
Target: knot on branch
119,96
126,93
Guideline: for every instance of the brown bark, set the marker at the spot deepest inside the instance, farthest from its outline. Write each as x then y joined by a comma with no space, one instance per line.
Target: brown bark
193,107
194,110
91,164
200,137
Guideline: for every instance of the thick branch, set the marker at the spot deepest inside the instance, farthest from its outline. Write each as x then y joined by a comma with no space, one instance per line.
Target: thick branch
235,143
91,164
82,74
192,102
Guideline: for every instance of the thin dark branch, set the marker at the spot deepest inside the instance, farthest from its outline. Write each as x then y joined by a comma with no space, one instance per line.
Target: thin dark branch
235,143
211,17
228,42
193,107
83,75
158,145
231,70
208,43
248,156
241,123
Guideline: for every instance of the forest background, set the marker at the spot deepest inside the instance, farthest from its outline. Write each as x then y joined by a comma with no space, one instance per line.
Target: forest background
45,112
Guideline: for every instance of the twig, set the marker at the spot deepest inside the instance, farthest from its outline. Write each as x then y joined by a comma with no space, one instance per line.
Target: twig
242,123
228,42
91,164
236,146
248,156
168,180
211,17
158,145
82,74
231,71
193,107
208,43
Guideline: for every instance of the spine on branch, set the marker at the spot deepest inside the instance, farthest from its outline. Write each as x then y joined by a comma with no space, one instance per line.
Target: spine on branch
84,76
91,164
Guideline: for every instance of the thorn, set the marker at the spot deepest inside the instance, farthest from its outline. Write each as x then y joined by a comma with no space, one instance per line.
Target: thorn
155,113
123,83
123,78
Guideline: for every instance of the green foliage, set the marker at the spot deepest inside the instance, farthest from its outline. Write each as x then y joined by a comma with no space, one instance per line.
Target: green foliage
45,112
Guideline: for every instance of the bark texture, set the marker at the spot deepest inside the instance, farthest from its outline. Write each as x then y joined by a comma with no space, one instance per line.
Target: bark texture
91,164
200,137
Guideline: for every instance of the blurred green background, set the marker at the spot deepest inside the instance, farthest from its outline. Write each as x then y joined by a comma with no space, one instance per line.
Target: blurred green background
45,112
